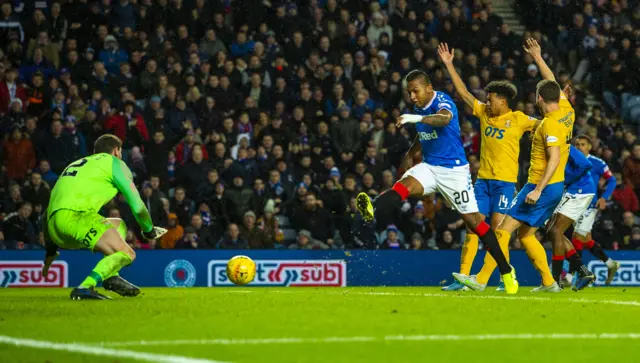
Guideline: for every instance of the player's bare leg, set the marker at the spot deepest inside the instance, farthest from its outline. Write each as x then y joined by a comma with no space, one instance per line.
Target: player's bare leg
118,254
580,241
499,252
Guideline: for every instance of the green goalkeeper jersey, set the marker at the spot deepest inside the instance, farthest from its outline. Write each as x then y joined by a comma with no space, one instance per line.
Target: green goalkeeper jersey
91,182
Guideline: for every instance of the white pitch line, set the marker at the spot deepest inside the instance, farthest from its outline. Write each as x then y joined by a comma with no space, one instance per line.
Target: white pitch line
471,295
388,338
100,351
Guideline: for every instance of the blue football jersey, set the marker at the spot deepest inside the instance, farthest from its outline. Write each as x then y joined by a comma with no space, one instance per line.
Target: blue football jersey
599,169
577,176
441,146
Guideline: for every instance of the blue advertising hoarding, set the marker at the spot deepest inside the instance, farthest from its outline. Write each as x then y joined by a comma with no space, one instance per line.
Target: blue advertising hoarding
176,268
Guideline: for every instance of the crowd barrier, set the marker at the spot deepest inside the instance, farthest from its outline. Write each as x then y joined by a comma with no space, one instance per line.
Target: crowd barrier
206,268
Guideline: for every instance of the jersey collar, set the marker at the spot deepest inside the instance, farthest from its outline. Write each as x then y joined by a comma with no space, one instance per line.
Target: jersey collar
435,93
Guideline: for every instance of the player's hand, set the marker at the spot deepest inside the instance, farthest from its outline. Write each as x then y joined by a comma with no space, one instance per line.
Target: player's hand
445,55
408,118
532,47
48,260
155,233
567,90
601,204
532,197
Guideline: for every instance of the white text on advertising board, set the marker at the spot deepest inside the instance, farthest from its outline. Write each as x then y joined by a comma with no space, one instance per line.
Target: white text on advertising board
29,274
627,275
293,273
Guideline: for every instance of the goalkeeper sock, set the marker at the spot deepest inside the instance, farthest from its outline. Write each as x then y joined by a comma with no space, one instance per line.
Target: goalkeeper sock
106,267
538,257
490,264
469,251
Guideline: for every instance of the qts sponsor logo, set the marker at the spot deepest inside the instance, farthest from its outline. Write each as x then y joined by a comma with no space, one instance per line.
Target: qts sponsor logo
627,275
29,274
318,273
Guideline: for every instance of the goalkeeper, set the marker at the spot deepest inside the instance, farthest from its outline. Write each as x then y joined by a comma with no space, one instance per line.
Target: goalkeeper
72,220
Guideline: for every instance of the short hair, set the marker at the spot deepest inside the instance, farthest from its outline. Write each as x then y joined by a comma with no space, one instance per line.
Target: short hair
502,89
549,90
106,143
417,74
585,137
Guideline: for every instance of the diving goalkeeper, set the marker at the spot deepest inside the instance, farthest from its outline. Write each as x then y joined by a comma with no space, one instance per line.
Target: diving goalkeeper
72,220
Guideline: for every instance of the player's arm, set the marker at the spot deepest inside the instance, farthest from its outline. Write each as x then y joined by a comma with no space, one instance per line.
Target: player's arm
439,119
123,181
611,186
579,163
447,58
552,149
533,48
51,252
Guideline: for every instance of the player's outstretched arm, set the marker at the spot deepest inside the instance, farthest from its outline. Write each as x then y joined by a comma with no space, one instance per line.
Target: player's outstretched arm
533,48
439,119
447,58
123,181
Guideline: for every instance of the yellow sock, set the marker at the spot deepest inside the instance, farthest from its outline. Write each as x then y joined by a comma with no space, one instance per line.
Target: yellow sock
469,251
489,262
538,257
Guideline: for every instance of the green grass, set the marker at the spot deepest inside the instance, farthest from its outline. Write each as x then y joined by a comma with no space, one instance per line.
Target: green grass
215,313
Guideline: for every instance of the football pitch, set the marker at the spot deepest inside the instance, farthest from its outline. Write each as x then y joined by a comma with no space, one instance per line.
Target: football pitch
244,325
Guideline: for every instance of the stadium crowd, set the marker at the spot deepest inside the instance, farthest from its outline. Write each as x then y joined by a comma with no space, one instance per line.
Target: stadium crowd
254,123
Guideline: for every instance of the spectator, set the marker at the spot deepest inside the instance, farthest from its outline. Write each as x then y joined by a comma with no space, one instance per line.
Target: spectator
631,169
153,204
36,191
175,232
190,240
47,175
392,240
315,219
19,155
205,240
232,239
11,90
240,198
624,195
18,229
305,242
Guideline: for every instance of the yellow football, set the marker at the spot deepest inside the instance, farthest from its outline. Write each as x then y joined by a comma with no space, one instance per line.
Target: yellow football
241,270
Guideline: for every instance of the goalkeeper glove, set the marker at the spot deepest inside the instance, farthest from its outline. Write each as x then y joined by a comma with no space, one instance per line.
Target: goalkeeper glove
155,233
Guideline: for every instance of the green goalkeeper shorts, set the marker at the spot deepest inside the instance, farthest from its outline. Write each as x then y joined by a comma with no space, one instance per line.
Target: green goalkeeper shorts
74,230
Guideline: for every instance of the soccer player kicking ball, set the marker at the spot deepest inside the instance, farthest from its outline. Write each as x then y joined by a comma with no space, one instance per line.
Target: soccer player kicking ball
444,168
578,195
501,131
582,232
72,220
